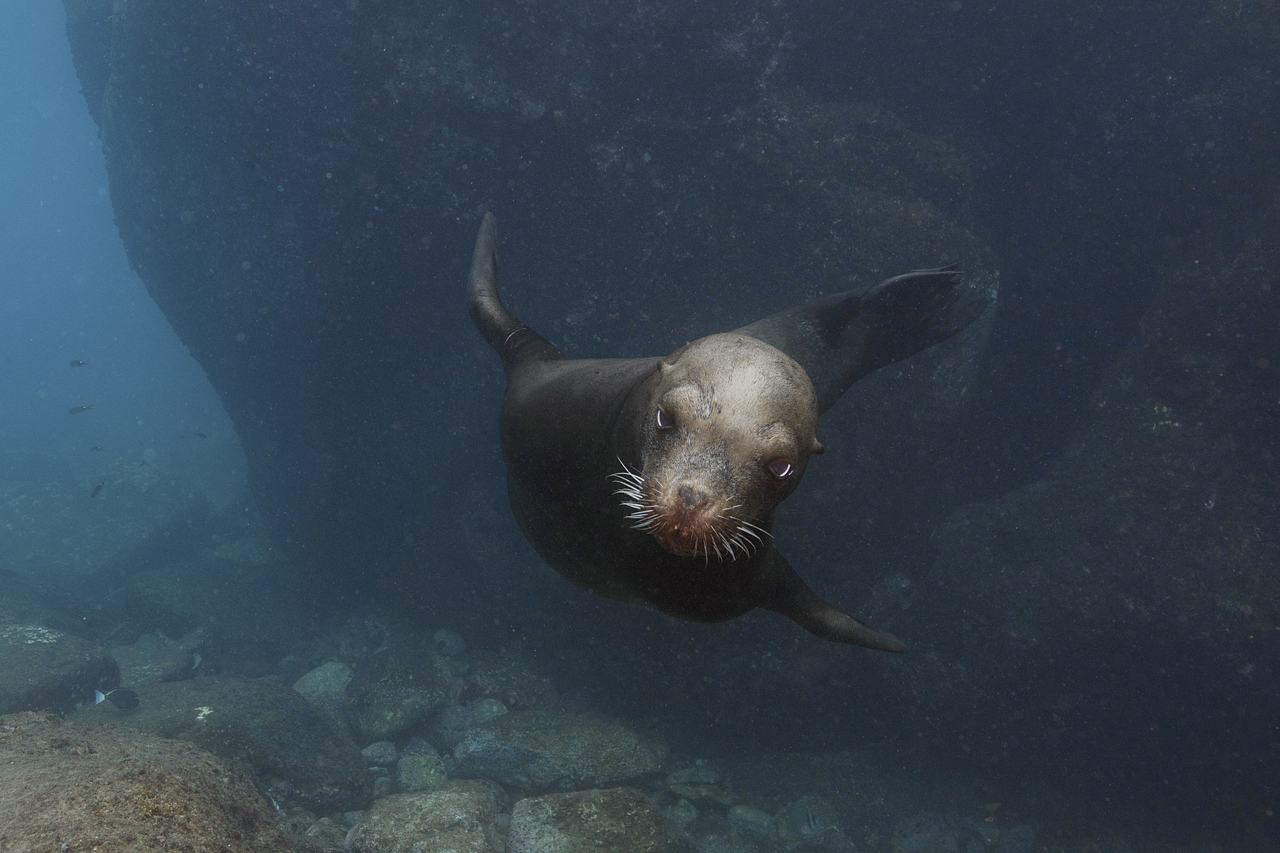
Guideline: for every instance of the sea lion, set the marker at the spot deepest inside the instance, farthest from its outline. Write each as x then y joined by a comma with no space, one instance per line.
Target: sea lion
654,480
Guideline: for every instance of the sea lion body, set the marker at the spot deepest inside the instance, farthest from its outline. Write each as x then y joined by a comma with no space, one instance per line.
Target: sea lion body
654,480
566,463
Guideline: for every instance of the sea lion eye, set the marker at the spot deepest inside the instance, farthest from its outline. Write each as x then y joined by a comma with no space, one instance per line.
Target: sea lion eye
664,420
780,468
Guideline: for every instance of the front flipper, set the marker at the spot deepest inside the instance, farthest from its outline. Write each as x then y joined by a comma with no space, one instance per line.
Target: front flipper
793,598
840,339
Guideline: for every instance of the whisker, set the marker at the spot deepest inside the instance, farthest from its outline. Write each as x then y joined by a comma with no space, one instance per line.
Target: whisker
728,545
644,516
743,534
728,536
749,526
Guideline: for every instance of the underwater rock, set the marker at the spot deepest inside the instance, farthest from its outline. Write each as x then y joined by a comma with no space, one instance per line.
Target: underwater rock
325,687
682,814
326,834
545,751
382,753
152,659
619,819
48,670
306,262
396,690
289,747
699,783
810,823
449,643
928,832
234,616
315,834
420,768
458,817
510,678
449,726
331,214
65,786
1019,839
750,822
1130,593
452,723
143,516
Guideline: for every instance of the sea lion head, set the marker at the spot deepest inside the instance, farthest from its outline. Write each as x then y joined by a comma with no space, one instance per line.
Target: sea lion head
726,433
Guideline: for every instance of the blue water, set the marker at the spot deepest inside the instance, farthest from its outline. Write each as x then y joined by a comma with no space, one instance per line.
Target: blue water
67,291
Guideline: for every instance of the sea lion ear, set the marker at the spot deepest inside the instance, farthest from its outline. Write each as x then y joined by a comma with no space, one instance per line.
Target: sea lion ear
817,449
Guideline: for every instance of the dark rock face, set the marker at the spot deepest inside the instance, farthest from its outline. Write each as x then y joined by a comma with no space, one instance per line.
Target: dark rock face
1130,598
299,189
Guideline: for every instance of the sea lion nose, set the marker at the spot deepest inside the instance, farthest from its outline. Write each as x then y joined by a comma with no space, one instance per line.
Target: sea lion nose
690,497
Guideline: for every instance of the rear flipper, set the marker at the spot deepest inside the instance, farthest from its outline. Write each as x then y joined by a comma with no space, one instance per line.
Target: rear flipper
513,340
793,598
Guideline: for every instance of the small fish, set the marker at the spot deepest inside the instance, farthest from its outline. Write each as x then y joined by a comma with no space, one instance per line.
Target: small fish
122,697
78,363
75,410
813,825
96,448
201,435
97,489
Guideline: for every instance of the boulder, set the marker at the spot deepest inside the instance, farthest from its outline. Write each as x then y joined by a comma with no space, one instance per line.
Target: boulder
381,753
297,757
420,768
620,820
928,832
699,783
65,786
48,670
397,689
510,678
449,643
451,724
809,823
458,817
152,659
325,687
557,751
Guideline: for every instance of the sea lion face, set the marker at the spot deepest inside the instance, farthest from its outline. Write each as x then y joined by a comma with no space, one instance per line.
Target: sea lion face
729,430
